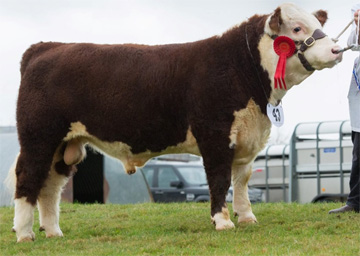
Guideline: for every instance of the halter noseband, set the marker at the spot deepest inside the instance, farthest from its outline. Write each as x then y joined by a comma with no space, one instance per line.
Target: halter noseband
308,42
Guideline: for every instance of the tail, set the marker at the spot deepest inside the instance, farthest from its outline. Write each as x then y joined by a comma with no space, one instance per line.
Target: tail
10,181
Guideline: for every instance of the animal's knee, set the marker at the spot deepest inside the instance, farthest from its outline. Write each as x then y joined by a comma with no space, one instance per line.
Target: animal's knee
74,152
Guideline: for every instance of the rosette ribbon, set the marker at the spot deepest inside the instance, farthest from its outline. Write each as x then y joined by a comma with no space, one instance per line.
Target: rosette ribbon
285,48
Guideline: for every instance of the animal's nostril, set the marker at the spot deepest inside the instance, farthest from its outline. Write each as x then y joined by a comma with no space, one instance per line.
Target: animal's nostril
336,50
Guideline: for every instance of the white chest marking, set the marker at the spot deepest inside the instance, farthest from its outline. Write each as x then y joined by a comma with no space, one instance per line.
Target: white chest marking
249,132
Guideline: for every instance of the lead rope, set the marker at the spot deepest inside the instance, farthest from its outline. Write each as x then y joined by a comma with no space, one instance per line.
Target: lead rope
342,32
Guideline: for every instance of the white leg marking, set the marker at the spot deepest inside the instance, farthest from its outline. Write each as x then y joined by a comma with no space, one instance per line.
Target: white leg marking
24,220
48,204
222,220
241,203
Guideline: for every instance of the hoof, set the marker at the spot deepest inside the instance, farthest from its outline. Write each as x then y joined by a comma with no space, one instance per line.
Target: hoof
55,233
251,221
223,225
222,221
13,230
26,238
247,218
51,232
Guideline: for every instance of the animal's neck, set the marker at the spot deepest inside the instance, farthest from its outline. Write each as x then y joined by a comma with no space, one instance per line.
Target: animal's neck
269,60
251,32
255,61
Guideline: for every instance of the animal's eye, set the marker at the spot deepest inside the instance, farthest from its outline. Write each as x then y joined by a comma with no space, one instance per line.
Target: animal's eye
297,29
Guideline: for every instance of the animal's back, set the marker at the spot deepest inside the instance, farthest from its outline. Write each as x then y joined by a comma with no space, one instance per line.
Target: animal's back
35,51
112,83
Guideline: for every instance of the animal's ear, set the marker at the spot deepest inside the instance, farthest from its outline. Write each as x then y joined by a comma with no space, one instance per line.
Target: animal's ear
322,16
276,20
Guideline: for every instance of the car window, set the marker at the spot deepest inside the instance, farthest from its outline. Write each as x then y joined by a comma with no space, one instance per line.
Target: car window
193,174
166,175
149,174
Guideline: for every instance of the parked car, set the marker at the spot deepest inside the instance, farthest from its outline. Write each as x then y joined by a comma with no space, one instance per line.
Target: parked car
172,181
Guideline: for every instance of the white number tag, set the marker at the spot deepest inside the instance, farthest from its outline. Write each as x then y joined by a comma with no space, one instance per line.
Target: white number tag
275,114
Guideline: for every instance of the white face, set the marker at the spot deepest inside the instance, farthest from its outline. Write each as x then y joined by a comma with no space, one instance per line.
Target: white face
298,25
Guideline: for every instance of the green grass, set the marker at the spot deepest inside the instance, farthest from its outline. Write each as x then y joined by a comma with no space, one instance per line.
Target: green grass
185,229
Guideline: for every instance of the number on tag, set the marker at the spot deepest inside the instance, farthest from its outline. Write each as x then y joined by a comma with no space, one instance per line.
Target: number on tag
275,114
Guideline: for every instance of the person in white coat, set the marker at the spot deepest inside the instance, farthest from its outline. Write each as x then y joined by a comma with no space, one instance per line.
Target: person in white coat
353,200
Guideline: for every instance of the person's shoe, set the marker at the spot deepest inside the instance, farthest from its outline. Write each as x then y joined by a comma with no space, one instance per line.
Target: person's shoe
345,208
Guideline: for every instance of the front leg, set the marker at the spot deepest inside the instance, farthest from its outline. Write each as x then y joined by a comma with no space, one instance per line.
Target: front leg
219,182
217,161
241,203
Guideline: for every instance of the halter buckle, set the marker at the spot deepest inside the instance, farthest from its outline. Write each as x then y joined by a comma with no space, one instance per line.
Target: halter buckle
309,41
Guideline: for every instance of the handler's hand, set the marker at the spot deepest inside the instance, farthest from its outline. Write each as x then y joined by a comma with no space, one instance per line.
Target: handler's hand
356,16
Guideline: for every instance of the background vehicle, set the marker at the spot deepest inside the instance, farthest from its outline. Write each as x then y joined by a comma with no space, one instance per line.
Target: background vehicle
176,181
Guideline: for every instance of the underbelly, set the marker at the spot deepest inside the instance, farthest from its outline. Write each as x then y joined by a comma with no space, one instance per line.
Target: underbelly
122,151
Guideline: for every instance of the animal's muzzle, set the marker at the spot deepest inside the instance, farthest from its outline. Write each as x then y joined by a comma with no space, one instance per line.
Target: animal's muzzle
304,45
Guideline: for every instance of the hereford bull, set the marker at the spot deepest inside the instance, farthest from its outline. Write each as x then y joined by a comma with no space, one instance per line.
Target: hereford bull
135,102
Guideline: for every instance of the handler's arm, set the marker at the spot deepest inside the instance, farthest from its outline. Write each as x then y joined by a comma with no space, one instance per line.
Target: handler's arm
352,36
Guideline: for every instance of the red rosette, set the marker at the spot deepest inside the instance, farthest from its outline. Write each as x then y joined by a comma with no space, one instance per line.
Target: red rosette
284,45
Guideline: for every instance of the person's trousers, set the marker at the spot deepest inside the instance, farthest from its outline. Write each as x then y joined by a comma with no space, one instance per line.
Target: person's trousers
354,195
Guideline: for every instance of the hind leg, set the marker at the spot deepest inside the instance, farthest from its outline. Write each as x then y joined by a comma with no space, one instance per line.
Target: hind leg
241,204
31,171
48,204
24,220
50,195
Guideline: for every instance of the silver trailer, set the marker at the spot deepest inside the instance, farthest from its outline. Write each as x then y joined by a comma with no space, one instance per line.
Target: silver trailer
271,173
320,161
314,167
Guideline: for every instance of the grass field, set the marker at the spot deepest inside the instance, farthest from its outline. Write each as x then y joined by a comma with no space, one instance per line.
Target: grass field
185,229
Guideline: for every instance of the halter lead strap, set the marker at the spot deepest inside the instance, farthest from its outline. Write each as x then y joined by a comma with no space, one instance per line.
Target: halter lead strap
305,62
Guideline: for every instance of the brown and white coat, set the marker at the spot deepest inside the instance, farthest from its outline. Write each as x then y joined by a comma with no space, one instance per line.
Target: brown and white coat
135,102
